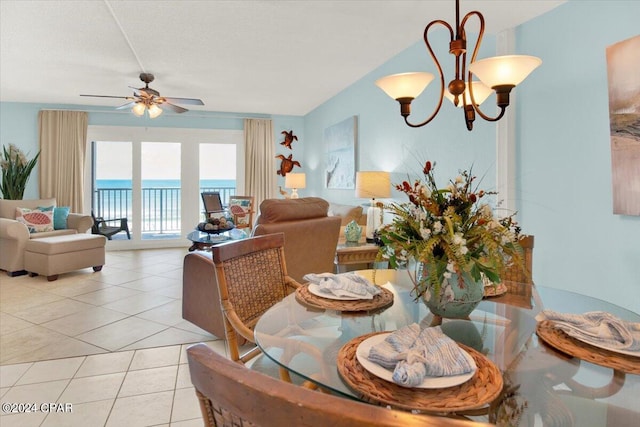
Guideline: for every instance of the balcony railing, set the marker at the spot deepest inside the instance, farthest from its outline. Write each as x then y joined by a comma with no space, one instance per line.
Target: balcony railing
161,207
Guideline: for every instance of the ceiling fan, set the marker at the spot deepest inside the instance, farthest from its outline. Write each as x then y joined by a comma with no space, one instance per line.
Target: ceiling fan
148,99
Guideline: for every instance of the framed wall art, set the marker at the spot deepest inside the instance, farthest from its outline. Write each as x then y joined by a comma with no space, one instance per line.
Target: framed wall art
624,121
340,159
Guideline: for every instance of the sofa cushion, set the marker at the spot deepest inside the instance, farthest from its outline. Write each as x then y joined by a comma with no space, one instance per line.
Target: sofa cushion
279,210
37,220
60,215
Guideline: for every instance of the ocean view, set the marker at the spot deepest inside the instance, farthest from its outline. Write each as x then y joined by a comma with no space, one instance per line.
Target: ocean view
161,201
163,183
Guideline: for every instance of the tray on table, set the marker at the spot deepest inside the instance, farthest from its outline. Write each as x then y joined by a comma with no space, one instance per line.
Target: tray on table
382,300
479,392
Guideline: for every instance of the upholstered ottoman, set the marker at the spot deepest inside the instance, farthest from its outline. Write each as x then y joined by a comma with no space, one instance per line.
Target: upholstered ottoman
54,255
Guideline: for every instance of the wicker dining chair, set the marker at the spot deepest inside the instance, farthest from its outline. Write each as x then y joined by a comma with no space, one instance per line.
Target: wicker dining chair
230,394
252,277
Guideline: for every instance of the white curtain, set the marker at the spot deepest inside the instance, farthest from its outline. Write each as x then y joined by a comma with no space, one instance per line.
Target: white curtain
63,141
260,171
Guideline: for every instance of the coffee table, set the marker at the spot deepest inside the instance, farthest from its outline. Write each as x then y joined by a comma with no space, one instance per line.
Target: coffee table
203,241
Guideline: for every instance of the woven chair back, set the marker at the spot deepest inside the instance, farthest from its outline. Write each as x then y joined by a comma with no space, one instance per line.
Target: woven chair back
232,395
255,282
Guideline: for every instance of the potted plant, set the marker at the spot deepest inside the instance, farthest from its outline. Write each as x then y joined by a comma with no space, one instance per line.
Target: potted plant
454,239
15,172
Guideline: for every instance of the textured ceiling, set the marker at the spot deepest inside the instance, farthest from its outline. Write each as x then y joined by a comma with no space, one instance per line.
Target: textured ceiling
274,57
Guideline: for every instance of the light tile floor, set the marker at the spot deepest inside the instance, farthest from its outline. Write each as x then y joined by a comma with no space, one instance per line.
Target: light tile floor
112,344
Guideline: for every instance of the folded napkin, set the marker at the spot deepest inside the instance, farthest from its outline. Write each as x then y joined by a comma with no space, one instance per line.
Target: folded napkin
597,327
414,354
344,285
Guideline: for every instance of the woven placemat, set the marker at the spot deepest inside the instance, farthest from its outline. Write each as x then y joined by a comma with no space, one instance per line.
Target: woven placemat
482,389
495,290
576,348
382,300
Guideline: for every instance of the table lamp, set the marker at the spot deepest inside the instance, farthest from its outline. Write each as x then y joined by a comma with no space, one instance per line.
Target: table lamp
295,181
369,185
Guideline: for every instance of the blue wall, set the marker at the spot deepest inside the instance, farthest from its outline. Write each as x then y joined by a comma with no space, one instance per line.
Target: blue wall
19,125
564,160
386,143
563,157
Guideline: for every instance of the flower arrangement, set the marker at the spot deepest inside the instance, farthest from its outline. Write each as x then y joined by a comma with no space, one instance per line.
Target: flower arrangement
15,172
449,231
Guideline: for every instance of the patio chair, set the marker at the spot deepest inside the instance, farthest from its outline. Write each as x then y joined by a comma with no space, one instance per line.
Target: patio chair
101,226
212,202
231,394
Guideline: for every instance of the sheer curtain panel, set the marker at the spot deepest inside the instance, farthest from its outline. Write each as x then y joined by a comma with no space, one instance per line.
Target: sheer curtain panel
63,140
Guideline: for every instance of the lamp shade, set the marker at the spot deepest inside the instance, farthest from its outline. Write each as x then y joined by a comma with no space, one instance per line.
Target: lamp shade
138,109
480,93
372,184
295,180
504,70
154,111
405,85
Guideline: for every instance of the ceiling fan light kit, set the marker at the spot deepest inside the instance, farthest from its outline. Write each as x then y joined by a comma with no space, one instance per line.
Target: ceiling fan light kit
500,74
149,100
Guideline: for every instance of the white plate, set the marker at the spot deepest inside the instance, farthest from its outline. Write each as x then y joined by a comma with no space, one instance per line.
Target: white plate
429,382
315,289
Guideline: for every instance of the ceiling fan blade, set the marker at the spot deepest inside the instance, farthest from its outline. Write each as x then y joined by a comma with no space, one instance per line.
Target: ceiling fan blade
188,101
174,108
109,96
127,105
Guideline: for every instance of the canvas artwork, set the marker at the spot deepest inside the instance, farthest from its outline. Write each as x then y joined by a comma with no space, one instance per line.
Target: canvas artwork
623,61
340,140
241,207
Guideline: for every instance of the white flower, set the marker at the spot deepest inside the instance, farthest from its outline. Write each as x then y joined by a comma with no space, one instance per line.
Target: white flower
459,179
425,233
447,275
464,250
458,239
437,227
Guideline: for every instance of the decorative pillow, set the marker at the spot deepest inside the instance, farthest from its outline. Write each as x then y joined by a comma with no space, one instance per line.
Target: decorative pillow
36,220
60,214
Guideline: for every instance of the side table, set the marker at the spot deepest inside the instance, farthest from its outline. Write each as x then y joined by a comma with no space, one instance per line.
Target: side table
349,254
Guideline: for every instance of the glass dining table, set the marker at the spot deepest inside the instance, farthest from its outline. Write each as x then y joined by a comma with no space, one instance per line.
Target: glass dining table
542,386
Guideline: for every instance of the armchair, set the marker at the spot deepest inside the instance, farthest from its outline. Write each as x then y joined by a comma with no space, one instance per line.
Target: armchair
100,226
310,236
15,235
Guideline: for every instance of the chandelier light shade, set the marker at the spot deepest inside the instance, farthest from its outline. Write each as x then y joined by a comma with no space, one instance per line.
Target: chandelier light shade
480,90
504,70
369,185
405,85
294,181
499,74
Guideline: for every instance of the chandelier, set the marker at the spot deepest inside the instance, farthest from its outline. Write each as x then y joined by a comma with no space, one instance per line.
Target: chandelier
499,73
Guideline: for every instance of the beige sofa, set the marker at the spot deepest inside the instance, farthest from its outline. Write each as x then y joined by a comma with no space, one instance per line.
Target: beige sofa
15,235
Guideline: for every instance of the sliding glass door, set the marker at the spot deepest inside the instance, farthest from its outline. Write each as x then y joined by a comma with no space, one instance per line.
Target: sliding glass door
154,177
